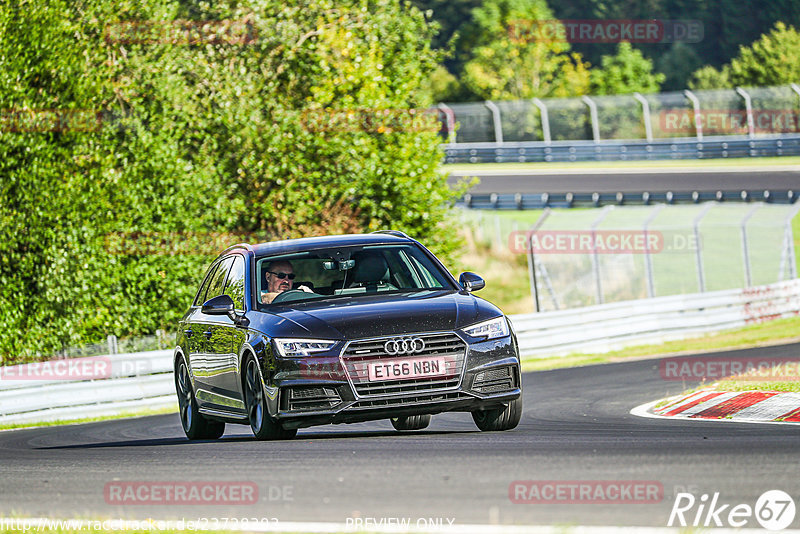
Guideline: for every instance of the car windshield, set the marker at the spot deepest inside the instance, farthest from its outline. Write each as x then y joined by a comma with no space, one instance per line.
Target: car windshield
346,272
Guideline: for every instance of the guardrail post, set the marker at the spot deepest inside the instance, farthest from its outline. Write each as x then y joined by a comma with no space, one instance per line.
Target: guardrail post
648,259
748,106
698,125
545,120
748,281
795,88
450,122
498,125
532,259
593,114
788,252
648,125
595,260
701,280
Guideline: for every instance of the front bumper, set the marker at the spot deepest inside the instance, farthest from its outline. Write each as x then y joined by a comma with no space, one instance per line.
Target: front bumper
319,390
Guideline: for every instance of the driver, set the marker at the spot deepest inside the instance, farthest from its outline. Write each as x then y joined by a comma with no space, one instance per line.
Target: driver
279,278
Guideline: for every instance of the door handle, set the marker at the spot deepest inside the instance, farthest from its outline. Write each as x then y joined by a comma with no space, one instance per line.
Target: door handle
208,334
188,333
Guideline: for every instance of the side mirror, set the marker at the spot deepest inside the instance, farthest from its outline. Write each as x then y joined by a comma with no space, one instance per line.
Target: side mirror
223,305
219,305
471,281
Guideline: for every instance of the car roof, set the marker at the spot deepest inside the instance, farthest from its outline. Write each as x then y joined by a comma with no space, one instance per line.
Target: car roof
287,246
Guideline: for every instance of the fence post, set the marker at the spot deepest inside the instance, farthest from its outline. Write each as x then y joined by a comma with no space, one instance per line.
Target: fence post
698,120
648,125
795,88
595,259
532,259
748,106
498,125
648,260
748,278
593,114
450,122
701,280
545,120
788,253
112,344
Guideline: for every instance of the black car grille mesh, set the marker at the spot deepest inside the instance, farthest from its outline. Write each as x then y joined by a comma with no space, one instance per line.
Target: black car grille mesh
495,380
410,401
447,346
309,398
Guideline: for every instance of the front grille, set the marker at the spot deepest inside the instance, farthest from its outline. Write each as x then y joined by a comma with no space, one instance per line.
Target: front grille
359,354
410,401
309,398
494,380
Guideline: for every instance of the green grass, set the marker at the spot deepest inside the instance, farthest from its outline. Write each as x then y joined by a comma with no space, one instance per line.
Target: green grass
122,415
773,332
695,163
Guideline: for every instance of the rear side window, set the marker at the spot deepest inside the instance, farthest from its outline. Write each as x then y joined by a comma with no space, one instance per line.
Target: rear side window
218,279
234,288
199,299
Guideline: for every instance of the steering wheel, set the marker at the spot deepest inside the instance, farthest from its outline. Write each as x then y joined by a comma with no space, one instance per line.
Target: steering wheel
289,295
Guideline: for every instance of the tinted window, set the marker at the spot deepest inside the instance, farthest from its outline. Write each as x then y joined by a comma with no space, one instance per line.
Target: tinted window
199,299
352,272
218,280
235,285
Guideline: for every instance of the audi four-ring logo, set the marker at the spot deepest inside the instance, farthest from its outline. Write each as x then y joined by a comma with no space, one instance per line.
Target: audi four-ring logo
404,345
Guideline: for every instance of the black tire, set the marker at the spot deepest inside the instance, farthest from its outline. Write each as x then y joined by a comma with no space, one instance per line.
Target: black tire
499,418
264,427
194,424
411,422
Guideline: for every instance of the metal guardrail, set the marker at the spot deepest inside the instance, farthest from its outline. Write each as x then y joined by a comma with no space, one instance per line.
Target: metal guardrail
530,201
595,328
626,150
616,325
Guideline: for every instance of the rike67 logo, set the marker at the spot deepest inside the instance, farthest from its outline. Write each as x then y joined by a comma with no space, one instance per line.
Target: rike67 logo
774,510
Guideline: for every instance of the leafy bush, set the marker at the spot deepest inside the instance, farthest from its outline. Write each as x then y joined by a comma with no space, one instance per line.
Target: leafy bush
197,133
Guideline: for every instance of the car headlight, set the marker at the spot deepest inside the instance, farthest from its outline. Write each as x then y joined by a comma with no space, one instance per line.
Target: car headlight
297,348
493,328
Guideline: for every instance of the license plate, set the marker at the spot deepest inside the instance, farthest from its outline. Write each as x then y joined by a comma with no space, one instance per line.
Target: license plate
406,369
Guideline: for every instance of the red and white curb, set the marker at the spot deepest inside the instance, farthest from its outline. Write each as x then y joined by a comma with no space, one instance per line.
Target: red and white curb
733,406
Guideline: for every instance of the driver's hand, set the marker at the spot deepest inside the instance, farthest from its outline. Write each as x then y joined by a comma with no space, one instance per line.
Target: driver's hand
305,288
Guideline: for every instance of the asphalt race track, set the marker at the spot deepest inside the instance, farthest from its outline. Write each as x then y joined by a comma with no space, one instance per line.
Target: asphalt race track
576,427
632,180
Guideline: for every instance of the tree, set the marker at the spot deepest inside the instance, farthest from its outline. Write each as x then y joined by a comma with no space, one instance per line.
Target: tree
626,72
771,60
204,124
511,61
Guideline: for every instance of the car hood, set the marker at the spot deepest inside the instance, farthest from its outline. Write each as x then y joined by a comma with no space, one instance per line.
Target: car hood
376,315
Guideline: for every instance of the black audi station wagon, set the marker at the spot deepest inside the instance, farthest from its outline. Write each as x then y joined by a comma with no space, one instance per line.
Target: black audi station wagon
341,329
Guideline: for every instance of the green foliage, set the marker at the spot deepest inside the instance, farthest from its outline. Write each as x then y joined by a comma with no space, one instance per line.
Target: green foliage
508,62
770,60
710,78
270,121
626,72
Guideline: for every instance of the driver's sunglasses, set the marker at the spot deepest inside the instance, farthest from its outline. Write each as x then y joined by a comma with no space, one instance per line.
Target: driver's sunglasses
290,276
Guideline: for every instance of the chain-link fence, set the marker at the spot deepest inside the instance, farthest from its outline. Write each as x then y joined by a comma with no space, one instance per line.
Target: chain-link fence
753,112
580,257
